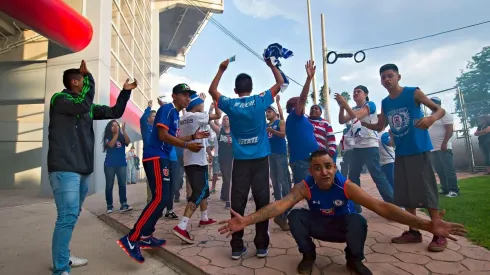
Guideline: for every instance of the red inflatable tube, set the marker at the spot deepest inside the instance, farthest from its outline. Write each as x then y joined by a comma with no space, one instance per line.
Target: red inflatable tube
53,19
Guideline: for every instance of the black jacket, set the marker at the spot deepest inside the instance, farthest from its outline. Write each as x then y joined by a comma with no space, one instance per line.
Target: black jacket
71,132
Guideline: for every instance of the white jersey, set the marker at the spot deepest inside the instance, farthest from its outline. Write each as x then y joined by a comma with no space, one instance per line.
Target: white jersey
437,132
189,123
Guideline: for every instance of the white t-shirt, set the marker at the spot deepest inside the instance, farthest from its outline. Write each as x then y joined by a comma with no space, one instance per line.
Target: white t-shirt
437,132
365,138
386,154
188,125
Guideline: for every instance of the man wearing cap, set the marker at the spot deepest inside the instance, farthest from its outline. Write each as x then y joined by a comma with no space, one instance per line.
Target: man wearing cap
299,130
323,131
442,156
156,161
195,166
278,161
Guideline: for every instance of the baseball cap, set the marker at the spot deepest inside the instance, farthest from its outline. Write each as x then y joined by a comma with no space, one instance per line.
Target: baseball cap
182,88
273,109
195,100
436,100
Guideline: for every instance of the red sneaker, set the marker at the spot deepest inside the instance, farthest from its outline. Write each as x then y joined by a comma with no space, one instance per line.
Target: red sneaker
183,235
208,222
438,244
408,237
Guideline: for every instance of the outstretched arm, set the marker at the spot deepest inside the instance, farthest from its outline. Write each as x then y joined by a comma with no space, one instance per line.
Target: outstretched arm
394,213
213,88
379,126
279,108
100,112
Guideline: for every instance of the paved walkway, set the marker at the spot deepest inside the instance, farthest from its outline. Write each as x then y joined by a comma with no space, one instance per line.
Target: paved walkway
211,253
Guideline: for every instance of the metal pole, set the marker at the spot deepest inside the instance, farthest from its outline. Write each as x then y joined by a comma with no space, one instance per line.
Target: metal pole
311,49
326,96
466,132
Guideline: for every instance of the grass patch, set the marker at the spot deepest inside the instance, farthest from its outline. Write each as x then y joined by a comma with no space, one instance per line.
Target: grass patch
471,208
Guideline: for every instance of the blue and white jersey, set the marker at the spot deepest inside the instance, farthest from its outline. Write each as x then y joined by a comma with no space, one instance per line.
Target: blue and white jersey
332,202
247,124
167,117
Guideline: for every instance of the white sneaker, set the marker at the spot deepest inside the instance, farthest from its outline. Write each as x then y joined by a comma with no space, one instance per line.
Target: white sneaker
452,194
74,262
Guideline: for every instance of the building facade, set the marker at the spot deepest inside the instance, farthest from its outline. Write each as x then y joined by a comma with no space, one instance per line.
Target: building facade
136,39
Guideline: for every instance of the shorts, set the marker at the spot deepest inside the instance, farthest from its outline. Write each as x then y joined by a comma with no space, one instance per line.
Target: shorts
198,180
216,169
415,182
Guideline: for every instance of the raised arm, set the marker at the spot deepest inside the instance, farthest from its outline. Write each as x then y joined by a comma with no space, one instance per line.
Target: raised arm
276,88
213,88
344,106
66,104
271,210
146,113
279,108
392,212
126,137
100,112
217,114
310,72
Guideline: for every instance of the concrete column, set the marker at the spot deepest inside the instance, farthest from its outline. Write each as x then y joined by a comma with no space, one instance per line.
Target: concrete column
155,54
98,58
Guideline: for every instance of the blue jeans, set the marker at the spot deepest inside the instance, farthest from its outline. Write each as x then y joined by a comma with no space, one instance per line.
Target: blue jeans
281,185
69,191
370,158
172,186
131,174
442,161
110,175
300,170
389,171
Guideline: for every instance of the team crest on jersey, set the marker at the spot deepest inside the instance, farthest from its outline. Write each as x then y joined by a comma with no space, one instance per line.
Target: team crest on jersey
165,172
329,211
118,144
338,203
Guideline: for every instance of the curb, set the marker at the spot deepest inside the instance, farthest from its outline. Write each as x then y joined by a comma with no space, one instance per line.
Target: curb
161,254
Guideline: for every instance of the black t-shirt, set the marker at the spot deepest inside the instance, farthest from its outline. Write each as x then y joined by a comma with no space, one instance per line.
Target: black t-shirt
225,149
485,139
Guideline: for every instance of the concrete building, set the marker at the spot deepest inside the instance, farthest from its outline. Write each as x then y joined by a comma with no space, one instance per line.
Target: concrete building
139,39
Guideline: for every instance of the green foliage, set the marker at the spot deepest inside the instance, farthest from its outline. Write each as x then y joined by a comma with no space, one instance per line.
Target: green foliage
321,99
474,84
346,95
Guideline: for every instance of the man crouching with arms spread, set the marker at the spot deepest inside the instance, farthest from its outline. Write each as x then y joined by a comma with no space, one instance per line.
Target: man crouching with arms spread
331,216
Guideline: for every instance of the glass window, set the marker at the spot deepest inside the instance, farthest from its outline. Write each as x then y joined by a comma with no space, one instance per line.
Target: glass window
122,75
126,60
114,67
114,40
127,37
116,16
139,76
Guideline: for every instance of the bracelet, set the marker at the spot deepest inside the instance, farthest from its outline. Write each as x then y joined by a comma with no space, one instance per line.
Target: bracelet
192,137
185,144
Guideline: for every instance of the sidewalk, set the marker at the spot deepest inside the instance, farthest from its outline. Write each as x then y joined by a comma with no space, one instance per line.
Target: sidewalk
26,232
211,253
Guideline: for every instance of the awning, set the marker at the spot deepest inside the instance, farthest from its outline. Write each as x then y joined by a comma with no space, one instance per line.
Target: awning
54,19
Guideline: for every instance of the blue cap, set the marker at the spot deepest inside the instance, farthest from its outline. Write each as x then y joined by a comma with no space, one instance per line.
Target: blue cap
195,100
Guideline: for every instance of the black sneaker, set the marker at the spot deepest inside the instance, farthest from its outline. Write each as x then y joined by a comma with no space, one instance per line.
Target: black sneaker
306,264
358,268
171,216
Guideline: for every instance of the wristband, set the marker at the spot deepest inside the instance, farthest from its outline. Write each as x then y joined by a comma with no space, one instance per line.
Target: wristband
192,137
185,144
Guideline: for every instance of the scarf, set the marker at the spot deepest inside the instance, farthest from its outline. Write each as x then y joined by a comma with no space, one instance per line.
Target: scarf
274,52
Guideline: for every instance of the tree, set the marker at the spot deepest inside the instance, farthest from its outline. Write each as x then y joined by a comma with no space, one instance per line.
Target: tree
474,83
346,95
321,99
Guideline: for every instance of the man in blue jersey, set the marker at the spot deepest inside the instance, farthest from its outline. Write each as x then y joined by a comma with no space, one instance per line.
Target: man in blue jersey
415,183
332,216
250,150
157,164
299,130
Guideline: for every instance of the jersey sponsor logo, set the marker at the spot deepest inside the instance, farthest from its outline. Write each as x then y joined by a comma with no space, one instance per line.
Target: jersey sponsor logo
245,104
248,141
338,203
315,202
166,172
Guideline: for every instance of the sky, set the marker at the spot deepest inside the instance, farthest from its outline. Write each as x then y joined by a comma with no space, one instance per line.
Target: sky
431,64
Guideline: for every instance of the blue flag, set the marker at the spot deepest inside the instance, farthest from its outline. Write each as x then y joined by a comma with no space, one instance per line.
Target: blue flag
274,52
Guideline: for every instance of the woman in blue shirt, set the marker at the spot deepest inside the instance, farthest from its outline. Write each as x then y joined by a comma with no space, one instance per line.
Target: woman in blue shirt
114,142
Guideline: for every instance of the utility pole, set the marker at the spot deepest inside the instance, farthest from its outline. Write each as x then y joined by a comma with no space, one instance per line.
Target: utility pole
312,57
326,95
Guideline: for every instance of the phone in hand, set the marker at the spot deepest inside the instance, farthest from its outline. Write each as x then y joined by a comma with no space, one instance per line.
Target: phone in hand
233,58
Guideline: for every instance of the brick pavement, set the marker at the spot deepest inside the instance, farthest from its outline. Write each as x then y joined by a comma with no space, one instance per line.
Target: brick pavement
211,252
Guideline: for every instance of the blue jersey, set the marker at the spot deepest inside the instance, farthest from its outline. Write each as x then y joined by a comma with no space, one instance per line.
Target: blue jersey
116,156
277,144
332,202
247,124
167,117
402,114
301,137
